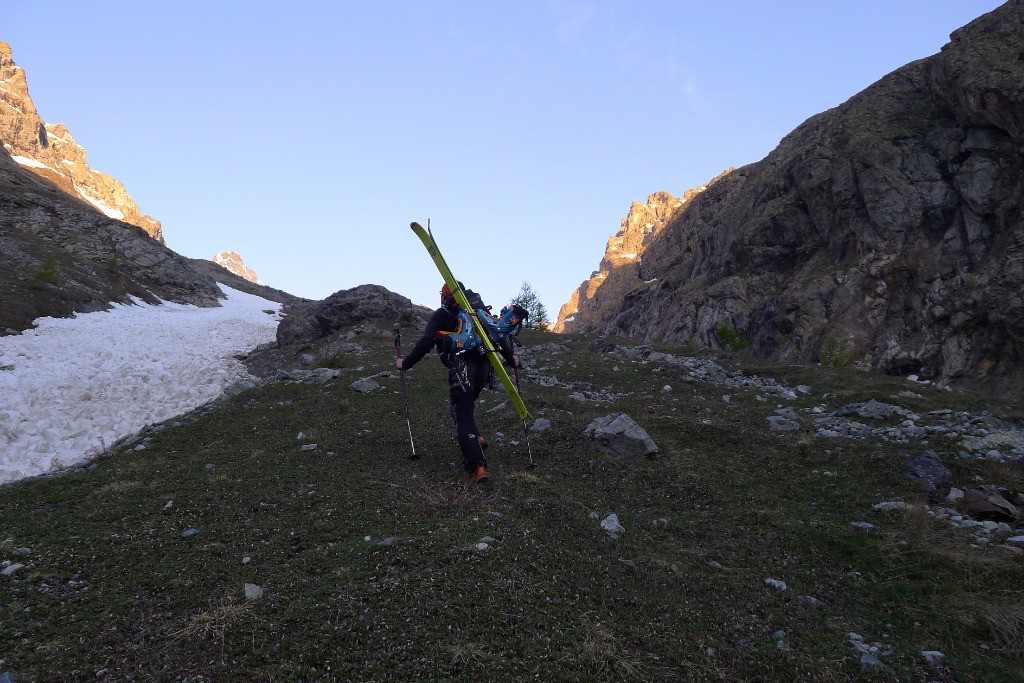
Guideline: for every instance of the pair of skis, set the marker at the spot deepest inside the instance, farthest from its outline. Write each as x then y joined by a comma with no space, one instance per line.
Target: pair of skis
427,238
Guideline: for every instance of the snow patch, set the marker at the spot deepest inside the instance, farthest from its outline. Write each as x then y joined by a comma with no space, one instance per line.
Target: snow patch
31,163
76,385
112,213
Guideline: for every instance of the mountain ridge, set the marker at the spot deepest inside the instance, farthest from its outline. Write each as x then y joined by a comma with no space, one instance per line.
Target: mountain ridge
49,151
884,232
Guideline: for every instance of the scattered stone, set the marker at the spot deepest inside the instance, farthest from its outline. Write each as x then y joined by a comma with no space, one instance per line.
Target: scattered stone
480,547
989,505
11,569
1016,541
539,425
389,542
619,434
364,385
487,539
892,506
714,565
577,396
612,526
252,591
627,563
23,551
933,657
870,409
863,526
778,423
666,389
140,447
187,533
929,473
246,560
168,505
955,495
240,386
775,583
308,447
871,662
812,601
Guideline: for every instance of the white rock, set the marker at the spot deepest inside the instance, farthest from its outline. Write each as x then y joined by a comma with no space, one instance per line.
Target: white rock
775,583
17,566
892,505
933,656
252,591
954,495
611,524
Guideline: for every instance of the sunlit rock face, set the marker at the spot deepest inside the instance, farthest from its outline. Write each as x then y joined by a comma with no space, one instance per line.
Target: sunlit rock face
234,263
49,151
624,250
886,232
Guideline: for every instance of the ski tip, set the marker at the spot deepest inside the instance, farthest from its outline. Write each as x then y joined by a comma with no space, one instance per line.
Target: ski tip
415,226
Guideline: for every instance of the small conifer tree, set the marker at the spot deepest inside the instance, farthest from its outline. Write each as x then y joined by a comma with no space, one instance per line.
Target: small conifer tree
527,298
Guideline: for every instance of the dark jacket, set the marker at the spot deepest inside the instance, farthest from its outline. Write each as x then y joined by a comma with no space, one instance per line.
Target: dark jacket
445,319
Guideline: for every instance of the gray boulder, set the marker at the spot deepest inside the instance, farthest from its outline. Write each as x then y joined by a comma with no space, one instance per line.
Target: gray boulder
619,434
930,474
870,409
365,385
309,321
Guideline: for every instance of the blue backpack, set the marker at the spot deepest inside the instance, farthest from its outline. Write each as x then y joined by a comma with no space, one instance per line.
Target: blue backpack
505,327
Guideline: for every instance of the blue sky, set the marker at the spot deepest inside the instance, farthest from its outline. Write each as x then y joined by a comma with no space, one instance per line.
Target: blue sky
307,137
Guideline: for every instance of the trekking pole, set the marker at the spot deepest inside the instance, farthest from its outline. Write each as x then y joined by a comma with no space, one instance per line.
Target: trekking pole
405,396
526,431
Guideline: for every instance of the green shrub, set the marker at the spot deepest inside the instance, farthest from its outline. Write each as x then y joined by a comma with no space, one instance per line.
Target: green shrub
730,338
833,352
49,272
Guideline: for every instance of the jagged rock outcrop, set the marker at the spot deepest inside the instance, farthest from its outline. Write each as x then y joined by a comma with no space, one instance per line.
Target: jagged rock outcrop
49,151
234,263
888,231
312,320
60,256
625,249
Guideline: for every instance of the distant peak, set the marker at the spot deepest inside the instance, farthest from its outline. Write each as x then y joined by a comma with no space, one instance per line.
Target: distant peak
232,262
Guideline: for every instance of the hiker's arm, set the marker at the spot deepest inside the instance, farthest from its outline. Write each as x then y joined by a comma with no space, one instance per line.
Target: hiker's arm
425,343
505,346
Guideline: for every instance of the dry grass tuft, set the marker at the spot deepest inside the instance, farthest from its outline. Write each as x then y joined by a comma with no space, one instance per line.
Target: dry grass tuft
457,496
213,622
606,655
117,487
464,653
1006,623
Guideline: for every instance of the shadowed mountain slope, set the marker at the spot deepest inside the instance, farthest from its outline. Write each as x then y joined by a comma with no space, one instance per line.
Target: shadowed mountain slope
886,232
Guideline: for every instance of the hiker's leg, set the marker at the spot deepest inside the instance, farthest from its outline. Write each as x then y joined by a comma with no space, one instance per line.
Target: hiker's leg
465,429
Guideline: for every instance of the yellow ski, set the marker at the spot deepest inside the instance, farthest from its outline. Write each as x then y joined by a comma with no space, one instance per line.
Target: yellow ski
492,355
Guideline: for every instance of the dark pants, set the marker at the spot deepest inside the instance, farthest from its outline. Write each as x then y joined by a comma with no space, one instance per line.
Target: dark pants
467,377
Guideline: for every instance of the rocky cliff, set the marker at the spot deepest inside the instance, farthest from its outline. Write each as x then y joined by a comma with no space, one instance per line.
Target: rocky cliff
60,256
49,151
886,232
233,262
624,250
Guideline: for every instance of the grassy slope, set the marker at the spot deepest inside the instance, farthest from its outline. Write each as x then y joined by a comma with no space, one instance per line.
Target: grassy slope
112,587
